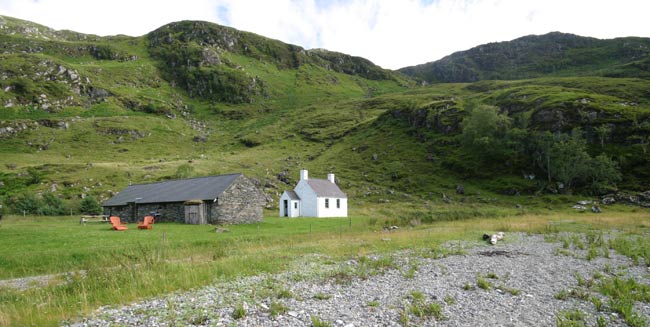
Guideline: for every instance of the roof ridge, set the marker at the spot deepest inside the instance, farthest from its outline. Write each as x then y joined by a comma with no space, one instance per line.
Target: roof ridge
185,179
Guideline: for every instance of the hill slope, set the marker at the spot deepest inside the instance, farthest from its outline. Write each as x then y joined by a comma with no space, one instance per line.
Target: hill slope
86,115
553,54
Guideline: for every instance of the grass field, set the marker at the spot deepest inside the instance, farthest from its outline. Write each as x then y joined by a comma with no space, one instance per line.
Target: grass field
110,268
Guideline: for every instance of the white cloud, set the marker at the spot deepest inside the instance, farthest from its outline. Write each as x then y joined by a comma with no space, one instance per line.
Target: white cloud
391,33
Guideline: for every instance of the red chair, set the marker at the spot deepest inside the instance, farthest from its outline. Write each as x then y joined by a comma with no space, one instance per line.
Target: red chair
117,224
146,223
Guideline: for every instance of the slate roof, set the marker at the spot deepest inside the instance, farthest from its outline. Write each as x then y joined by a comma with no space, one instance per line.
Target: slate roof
325,189
293,195
202,188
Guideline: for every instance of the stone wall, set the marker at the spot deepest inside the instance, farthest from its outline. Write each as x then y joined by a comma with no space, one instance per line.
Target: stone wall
241,203
169,212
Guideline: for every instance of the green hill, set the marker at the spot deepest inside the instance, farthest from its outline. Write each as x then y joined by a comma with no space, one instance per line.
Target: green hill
552,54
87,115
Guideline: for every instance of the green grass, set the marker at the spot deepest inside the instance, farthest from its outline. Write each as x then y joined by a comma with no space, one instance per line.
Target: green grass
191,256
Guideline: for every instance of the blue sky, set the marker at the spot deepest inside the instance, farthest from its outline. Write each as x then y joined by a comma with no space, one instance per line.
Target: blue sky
391,33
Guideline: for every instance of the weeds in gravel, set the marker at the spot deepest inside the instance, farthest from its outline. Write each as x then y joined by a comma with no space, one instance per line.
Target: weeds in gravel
198,318
322,296
564,252
562,295
449,300
284,294
622,295
583,282
483,283
492,275
467,286
418,307
342,277
415,296
597,302
636,248
512,291
404,316
317,322
277,308
374,303
572,318
577,293
410,273
375,266
239,312
601,321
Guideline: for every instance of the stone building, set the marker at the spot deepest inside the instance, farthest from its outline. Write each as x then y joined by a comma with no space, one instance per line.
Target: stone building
224,199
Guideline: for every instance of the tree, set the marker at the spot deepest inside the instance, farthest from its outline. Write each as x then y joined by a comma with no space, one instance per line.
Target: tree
603,172
541,143
602,131
565,159
90,206
484,130
51,205
570,160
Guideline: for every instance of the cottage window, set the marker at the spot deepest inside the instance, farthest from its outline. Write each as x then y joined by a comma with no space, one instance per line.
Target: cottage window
327,203
338,203
295,205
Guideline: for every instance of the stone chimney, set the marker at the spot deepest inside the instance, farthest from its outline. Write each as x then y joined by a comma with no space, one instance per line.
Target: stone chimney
304,174
330,177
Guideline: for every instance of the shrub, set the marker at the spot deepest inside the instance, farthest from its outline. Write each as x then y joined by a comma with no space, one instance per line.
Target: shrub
51,205
27,203
90,206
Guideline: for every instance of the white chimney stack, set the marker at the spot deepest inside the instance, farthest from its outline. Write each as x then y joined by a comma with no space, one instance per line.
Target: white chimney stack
304,174
330,177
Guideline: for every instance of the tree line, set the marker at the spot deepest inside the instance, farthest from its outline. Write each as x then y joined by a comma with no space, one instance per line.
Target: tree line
491,137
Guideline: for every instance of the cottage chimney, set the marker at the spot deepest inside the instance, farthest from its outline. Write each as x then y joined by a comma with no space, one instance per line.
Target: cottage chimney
304,174
330,177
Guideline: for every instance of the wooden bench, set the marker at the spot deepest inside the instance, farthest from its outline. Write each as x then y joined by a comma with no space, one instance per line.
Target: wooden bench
93,219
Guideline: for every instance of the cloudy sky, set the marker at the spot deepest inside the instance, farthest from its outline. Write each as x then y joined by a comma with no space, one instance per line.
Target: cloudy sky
391,33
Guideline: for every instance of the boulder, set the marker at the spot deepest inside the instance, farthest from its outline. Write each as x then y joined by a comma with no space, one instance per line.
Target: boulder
460,189
608,200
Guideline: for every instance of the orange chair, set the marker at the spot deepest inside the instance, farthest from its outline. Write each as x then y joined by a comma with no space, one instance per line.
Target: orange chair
146,223
117,224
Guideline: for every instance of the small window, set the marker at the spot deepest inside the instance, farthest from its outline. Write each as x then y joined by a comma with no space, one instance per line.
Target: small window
295,205
327,203
338,203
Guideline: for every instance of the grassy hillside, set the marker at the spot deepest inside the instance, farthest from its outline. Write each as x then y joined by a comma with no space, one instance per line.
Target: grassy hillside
82,114
553,54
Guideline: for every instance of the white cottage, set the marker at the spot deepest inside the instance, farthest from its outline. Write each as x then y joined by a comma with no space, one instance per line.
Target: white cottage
314,198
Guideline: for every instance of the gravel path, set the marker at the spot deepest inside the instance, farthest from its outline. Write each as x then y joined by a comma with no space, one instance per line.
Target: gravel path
525,273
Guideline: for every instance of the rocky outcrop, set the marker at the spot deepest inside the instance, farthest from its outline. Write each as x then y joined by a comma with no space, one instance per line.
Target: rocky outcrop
42,83
440,116
638,199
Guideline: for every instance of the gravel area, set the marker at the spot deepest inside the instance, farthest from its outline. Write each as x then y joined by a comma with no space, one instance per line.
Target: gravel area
525,274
